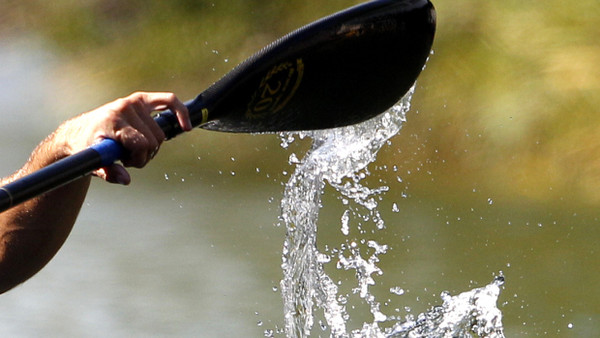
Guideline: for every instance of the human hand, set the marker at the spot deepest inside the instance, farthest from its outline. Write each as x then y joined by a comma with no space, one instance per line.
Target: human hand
127,121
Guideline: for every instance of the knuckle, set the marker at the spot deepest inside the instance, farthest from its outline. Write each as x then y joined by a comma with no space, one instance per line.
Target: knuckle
152,144
136,95
134,100
120,104
140,148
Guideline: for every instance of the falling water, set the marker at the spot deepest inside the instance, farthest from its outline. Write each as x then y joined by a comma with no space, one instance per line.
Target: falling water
340,158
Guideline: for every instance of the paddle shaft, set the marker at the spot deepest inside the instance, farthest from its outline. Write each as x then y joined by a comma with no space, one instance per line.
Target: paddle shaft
78,165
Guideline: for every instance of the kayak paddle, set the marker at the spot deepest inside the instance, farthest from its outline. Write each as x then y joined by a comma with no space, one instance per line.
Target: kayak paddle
339,70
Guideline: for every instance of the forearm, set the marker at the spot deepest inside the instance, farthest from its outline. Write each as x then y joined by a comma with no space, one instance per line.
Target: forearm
31,233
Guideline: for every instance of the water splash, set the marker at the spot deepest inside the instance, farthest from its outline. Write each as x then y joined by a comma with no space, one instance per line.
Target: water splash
472,312
340,157
335,155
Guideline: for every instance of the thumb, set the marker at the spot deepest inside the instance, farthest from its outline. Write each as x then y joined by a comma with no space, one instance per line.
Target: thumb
114,174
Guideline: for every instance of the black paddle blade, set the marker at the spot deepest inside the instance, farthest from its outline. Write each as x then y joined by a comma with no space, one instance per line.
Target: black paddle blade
340,70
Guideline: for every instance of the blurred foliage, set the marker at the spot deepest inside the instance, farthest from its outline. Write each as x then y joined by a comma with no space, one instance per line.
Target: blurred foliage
508,102
512,97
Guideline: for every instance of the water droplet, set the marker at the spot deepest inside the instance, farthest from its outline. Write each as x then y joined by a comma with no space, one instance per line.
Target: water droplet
293,159
345,222
397,290
323,258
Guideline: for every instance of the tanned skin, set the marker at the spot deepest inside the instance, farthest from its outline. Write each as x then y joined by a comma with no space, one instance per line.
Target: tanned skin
32,233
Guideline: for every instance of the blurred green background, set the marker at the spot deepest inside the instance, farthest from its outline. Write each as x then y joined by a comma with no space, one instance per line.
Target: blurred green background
498,159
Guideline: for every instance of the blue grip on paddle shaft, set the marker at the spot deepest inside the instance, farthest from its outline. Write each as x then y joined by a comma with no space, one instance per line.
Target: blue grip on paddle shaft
110,151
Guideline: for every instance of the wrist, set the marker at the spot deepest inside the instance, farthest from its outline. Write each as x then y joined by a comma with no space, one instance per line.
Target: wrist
51,149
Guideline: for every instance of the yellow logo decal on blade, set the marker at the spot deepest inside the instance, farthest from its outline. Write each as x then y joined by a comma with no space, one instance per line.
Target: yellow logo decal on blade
275,90
204,115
